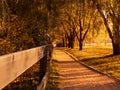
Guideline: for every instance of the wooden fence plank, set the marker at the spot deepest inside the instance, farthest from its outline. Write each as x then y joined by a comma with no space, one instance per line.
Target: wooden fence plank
13,65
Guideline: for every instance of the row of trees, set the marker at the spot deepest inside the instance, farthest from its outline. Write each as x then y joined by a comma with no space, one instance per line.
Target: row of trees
26,23
80,19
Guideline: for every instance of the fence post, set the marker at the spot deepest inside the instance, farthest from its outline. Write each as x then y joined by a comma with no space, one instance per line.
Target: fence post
43,65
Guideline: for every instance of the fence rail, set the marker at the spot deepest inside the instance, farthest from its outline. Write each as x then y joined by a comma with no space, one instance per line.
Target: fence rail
13,65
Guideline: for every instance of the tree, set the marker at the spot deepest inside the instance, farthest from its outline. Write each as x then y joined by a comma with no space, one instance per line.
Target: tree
110,13
68,24
85,13
23,24
79,17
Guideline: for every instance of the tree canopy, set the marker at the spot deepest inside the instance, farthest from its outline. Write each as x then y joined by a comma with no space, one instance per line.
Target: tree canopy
23,25
29,23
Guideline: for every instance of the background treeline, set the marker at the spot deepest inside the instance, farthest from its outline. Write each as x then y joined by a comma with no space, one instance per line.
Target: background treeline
29,23
87,21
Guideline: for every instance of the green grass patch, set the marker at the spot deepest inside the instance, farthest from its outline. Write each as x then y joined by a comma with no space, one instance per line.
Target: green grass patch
52,83
99,58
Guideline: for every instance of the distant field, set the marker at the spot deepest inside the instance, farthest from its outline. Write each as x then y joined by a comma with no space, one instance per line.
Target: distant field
100,58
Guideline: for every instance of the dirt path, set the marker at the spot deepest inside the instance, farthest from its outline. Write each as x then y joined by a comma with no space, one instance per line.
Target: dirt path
74,76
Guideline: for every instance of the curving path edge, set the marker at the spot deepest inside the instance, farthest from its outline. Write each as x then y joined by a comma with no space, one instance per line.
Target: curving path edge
74,76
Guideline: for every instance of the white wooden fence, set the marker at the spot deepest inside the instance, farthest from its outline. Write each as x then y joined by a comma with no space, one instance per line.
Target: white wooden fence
13,65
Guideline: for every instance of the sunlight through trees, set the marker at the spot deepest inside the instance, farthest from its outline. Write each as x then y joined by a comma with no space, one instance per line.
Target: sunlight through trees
29,23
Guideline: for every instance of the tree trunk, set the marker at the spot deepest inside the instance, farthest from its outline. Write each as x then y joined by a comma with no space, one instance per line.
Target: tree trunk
80,45
63,42
116,48
116,39
81,39
72,44
69,44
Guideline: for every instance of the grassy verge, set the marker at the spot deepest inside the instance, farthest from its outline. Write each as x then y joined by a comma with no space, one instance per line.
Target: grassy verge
54,75
99,58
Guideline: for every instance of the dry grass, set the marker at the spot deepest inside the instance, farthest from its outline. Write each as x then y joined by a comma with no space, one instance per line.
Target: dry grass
100,58
54,75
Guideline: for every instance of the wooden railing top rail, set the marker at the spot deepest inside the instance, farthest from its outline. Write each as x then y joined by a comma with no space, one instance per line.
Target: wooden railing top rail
13,65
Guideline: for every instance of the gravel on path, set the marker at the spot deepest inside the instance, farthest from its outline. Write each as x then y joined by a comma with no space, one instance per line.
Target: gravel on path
74,76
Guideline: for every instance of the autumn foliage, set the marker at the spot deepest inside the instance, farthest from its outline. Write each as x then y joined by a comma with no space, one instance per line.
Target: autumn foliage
22,25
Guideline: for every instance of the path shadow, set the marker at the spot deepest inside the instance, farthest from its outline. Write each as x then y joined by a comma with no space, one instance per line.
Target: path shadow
94,58
108,86
74,76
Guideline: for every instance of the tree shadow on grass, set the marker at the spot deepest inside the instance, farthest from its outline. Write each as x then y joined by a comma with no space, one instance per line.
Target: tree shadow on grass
75,77
97,58
108,65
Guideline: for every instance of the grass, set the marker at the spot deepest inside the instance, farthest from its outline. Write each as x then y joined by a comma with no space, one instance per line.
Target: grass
100,58
52,83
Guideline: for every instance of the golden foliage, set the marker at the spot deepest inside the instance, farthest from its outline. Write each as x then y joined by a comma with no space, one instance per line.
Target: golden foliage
21,25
